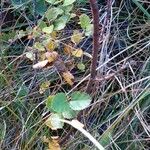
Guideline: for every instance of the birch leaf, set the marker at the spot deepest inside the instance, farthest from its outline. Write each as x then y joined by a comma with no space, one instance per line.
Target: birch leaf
39,46
30,55
44,86
48,30
51,56
76,37
54,122
53,145
50,46
68,2
60,104
68,77
79,100
53,13
77,53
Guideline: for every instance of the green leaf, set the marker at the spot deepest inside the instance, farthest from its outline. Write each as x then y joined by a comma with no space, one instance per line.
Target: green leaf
49,102
54,121
60,103
21,34
48,30
89,30
53,13
53,1
67,8
81,66
23,91
69,114
84,21
17,2
39,46
44,86
30,55
79,100
41,24
40,7
60,23
68,2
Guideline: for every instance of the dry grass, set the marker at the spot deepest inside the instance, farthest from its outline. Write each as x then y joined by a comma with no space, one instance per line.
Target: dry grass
118,117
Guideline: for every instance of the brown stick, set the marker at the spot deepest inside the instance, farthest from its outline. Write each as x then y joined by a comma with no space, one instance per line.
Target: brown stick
96,34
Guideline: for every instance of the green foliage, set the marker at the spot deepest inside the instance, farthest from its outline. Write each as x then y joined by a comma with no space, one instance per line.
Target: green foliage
68,2
79,100
86,25
53,13
60,104
53,1
69,114
58,15
44,26
23,91
84,21
81,66
60,23
39,46
48,30
18,2
40,7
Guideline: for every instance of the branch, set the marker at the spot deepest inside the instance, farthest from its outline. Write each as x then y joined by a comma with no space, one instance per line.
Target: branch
96,34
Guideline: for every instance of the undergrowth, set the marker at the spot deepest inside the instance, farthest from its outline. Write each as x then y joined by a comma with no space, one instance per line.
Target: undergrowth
119,115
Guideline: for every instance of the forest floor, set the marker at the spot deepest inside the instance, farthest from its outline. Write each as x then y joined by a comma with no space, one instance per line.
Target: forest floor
118,116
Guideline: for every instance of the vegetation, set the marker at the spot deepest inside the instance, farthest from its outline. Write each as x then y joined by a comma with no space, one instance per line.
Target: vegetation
74,74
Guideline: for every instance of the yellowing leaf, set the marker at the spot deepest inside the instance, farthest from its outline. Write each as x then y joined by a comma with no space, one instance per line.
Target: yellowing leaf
76,37
48,30
45,139
54,34
44,86
50,46
42,56
77,53
48,123
54,122
52,142
68,77
40,64
67,49
51,56
39,46
53,145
